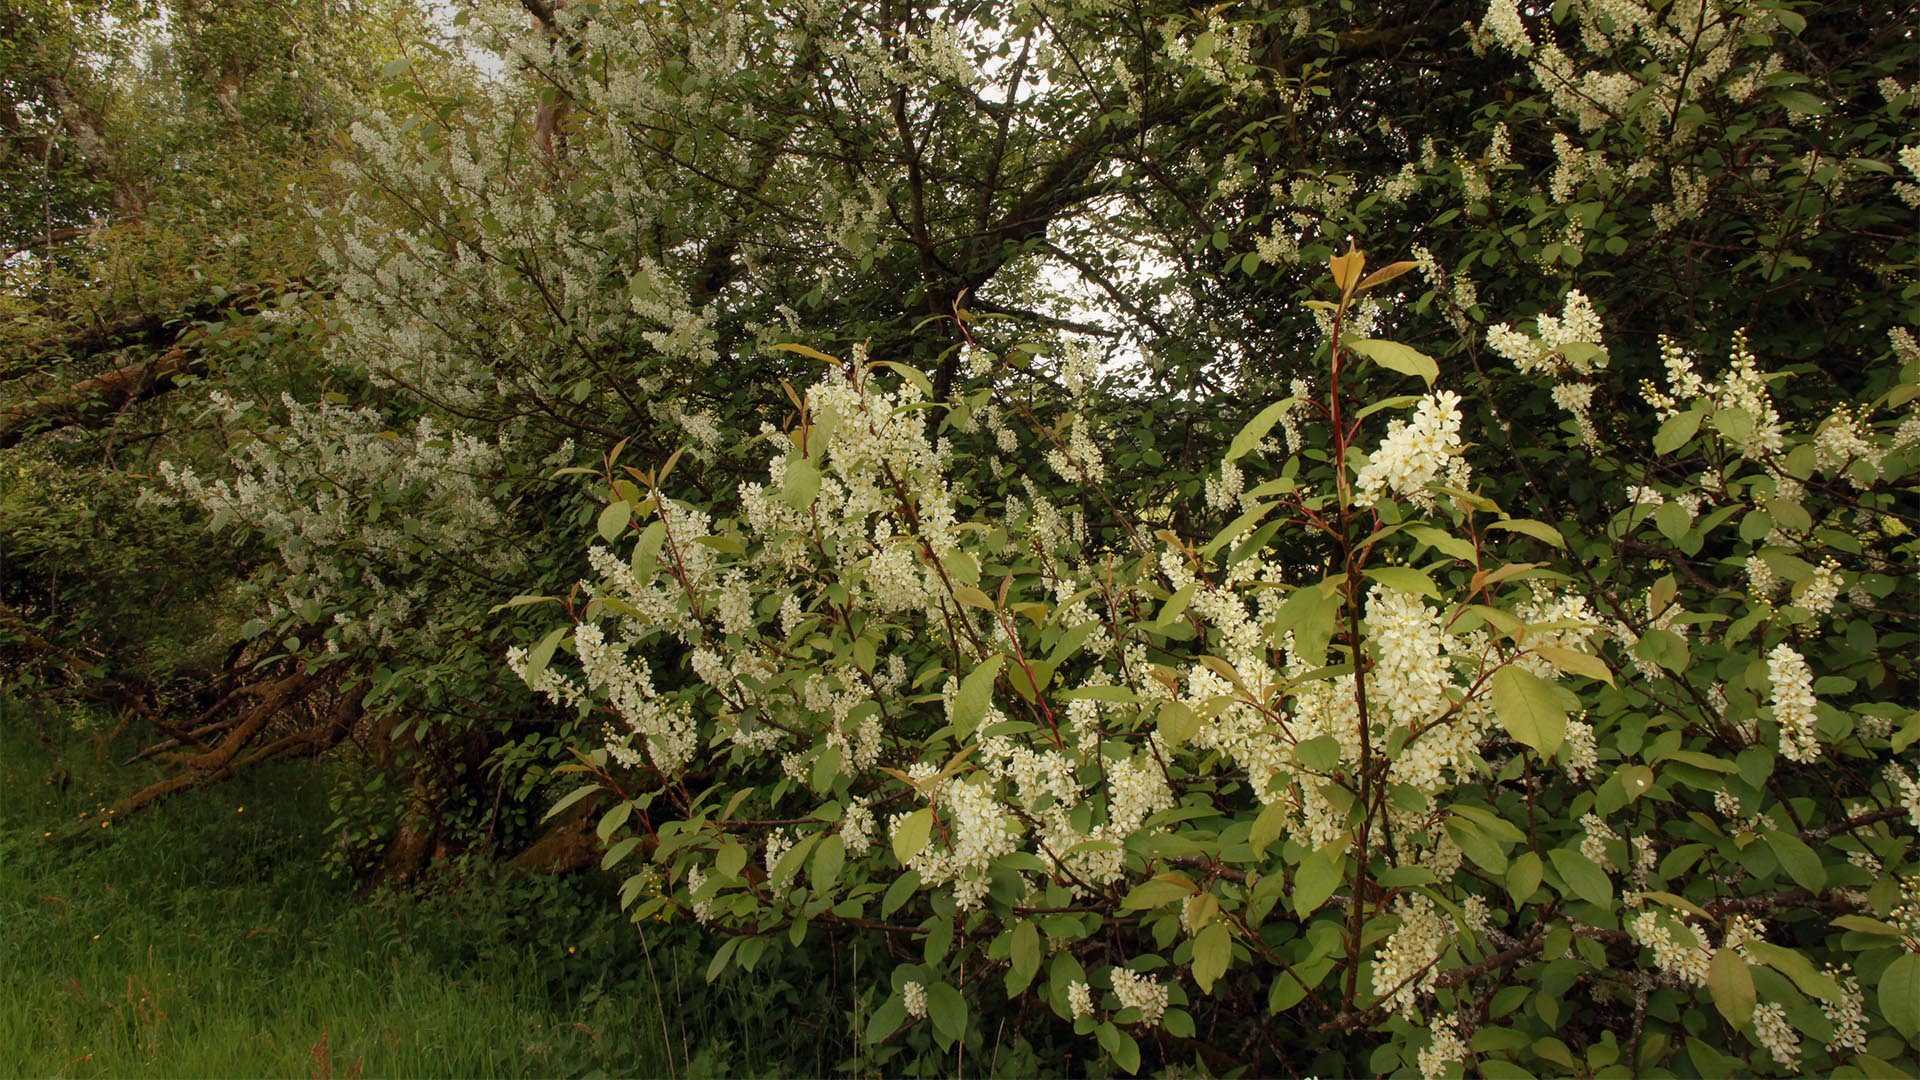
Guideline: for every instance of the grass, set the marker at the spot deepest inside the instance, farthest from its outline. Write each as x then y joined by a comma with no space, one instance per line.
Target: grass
205,937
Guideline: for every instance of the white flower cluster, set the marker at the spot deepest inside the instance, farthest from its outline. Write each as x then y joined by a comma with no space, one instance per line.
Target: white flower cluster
1697,45
1582,758
1742,387
1776,1034
1677,949
1415,453
1794,705
1818,592
914,997
356,513
1143,992
1762,582
978,830
1907,792
1848,1015
1407,965
1079,999
1445,1048
1910,160
1595,836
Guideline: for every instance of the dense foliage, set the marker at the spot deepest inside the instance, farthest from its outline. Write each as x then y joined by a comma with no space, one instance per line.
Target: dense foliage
1325,538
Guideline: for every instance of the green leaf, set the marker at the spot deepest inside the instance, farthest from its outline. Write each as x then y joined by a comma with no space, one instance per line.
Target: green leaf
1256,429
1442,541
1800,102
976,693
1071,641
1573,662
1673,521
912,834
1267,826
1731,984
619,851
1664,648
1394,356
948,1010
611,821
1321,754
720,957
1676,430
646,551
613,520
1524,875
542,654
1159,891
1478,846
1539,530
1315,882
1125,1051
1212,952
1588,881
828,858
1799,860
1529,709
1405,579
886,1019
1310,613
569,799
912,374
1793,965
799,349
1176,605
1177,722
802,483
1900,996
1026,952
903,887
731,859
1120,694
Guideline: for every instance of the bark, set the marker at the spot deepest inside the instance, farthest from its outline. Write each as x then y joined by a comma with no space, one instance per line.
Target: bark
552,110
98,399
83,126
408,854
47,239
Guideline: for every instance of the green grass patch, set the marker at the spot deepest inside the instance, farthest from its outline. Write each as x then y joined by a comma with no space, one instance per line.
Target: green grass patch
205,937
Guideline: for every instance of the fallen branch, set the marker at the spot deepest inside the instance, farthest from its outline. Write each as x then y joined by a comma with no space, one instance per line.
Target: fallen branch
98,398
219,763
